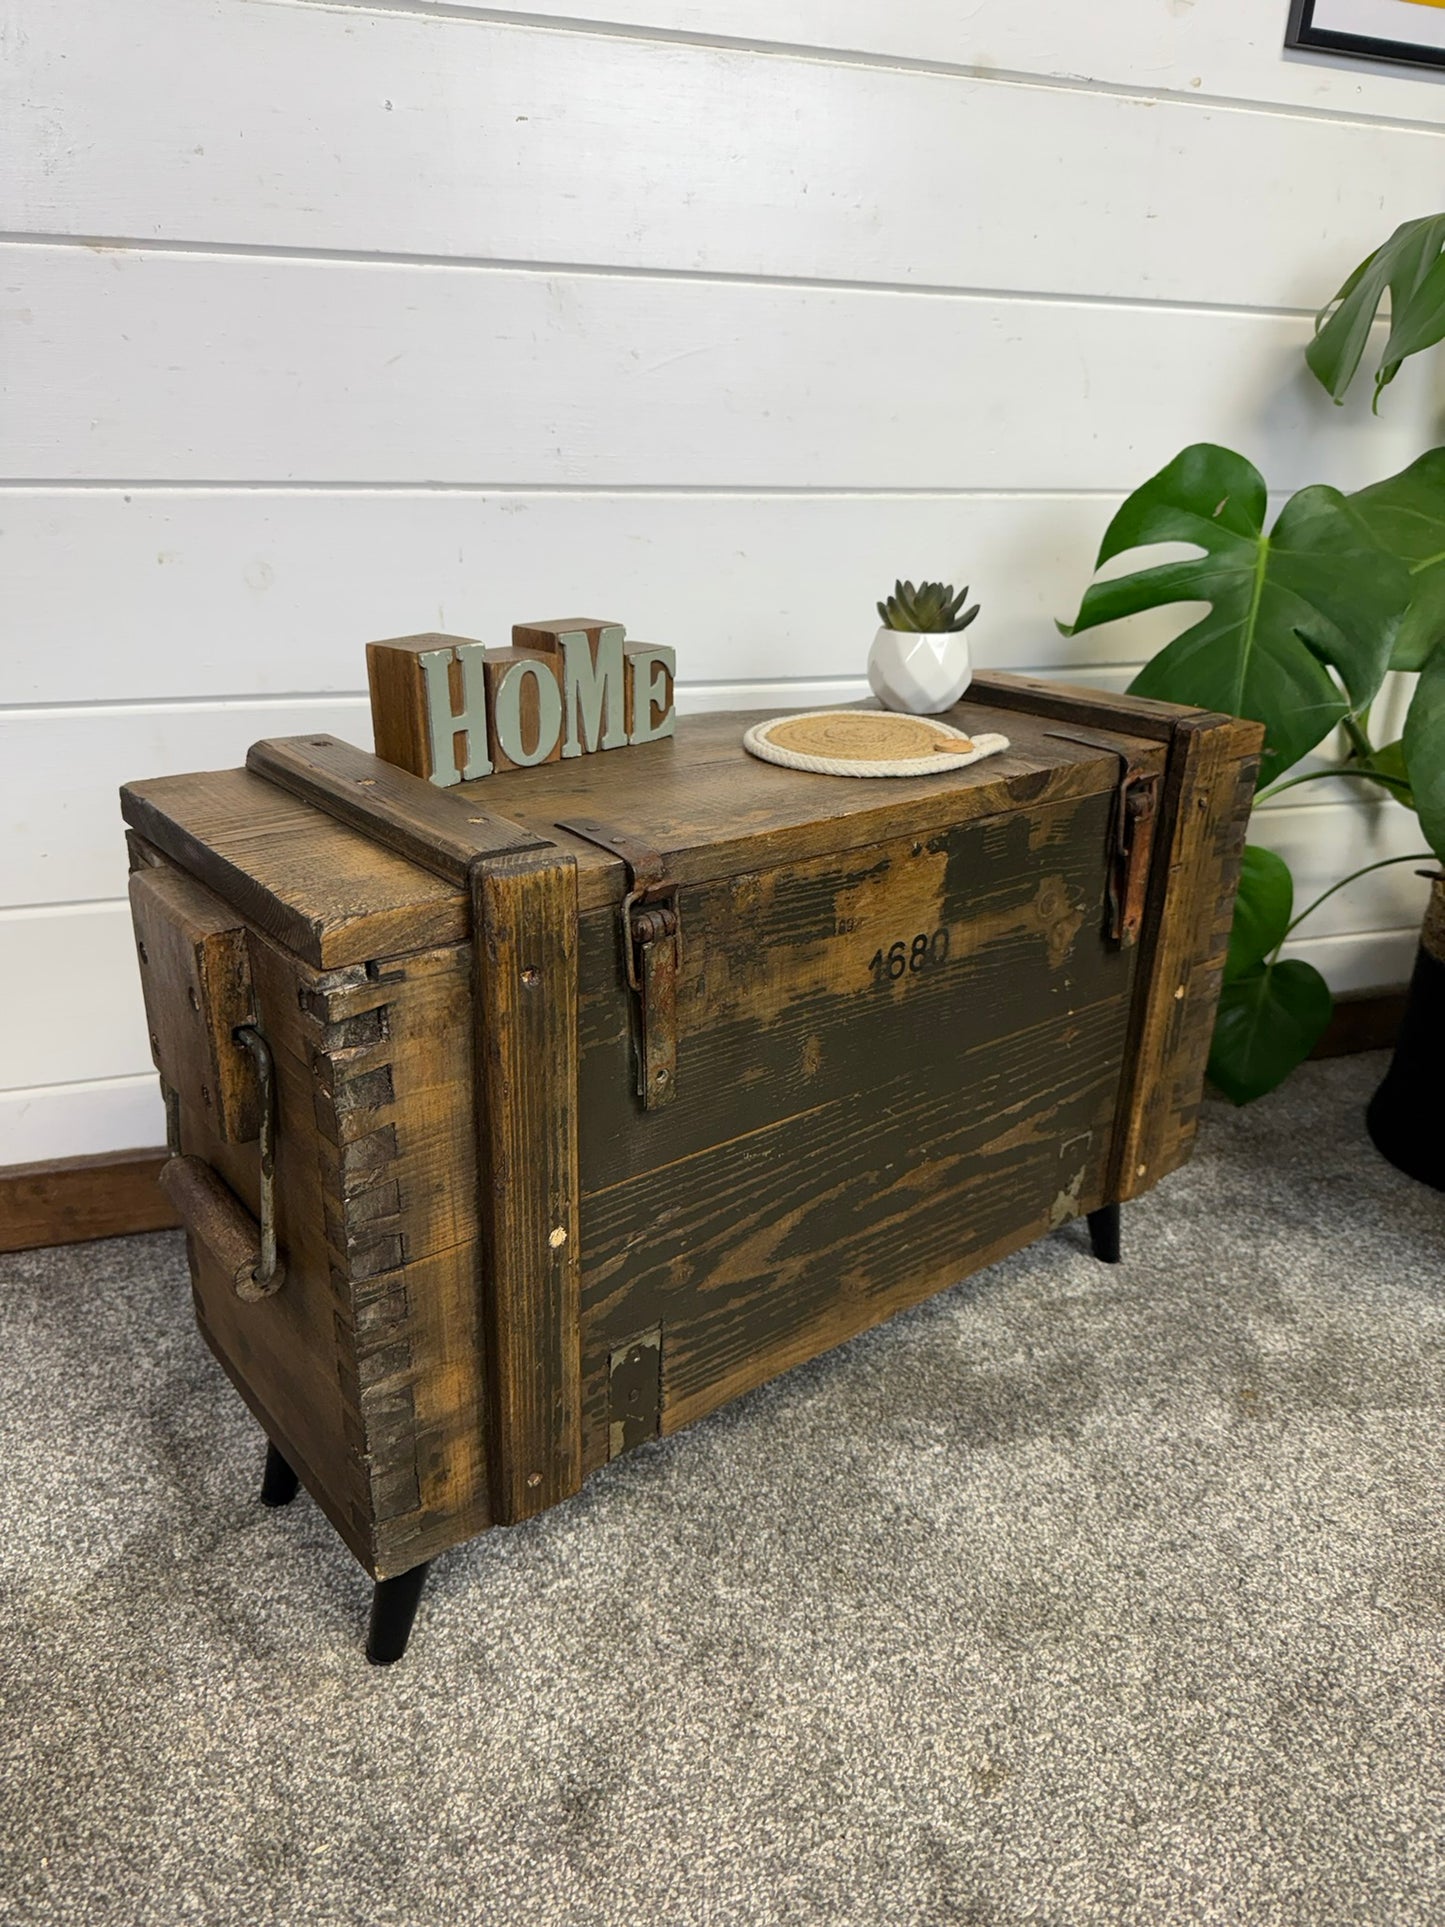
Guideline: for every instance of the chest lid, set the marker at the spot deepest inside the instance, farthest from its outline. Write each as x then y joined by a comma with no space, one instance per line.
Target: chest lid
695,801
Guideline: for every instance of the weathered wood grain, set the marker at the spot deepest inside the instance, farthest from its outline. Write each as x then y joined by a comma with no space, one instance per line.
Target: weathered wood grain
779,1010
1199,838
1079,702
326,892
367,1368
525,946
1204,816
215,1220
196,982
712,810
698,797
765,1250
443,831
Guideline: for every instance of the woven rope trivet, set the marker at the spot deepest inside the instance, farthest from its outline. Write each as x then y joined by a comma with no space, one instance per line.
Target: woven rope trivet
867,742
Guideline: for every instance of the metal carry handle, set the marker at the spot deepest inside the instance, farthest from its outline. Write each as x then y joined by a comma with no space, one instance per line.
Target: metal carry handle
209,1209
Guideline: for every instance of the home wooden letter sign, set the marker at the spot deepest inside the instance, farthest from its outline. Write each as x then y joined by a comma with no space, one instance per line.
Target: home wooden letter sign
445,708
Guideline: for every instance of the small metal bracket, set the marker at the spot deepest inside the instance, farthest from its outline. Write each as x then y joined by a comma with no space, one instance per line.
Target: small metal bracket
651,931
634,1392
1131,838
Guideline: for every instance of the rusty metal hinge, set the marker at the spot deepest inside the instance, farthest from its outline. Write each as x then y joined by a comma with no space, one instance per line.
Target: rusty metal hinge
651,928
1131,838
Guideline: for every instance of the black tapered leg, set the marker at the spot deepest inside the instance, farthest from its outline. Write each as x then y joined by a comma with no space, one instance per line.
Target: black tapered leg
393,1608
278,1482
1104,1233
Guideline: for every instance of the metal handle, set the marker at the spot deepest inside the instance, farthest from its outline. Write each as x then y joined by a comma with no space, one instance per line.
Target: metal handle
269,1273
211,1213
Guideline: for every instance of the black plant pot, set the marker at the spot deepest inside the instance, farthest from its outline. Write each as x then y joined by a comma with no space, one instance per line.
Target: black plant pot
1406,1116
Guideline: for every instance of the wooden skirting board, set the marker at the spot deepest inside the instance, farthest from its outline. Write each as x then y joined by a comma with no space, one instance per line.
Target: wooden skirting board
67,1200
1363,1020
115,1194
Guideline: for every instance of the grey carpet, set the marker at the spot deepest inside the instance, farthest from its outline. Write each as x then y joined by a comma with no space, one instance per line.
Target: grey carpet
1080,1594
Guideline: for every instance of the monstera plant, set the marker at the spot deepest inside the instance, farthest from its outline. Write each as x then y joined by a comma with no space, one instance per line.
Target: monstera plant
1304,619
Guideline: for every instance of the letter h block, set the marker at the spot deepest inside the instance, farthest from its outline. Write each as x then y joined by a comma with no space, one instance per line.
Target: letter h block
429,706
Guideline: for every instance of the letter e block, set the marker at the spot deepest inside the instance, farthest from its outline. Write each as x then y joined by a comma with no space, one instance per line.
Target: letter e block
650,692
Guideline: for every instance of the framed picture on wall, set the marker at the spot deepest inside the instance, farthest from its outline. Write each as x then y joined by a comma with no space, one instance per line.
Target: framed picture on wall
1412,30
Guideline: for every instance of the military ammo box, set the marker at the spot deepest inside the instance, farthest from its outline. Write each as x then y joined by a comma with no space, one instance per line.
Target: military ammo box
519,1122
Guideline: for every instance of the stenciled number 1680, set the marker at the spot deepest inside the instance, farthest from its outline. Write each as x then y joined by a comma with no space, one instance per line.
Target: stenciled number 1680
904,958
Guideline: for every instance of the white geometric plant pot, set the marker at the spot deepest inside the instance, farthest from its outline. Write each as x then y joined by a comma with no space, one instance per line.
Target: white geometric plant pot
919,674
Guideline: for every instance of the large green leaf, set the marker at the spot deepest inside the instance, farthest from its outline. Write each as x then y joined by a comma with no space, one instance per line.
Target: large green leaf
1262,910
1388,761
1424,747
1405,514
1410,267
1315,591
1269,1020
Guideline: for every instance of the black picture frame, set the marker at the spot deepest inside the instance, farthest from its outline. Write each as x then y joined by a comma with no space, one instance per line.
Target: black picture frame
1302,32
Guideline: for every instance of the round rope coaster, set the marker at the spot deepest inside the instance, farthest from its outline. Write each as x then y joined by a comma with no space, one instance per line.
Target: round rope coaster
867,742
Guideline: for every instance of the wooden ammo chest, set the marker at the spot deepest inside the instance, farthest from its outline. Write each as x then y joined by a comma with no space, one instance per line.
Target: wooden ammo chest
885,1032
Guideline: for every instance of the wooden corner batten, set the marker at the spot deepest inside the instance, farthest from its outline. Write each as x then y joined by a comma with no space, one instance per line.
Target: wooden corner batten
525,991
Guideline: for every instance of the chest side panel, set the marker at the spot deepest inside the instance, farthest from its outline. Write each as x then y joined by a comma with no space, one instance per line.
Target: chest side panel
893,1066
366,1368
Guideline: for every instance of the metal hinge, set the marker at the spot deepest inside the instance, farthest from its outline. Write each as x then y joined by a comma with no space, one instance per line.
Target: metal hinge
651,928
1131,839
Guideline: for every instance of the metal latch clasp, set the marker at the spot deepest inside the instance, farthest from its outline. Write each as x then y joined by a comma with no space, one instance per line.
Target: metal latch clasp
651,931
652,941
1131,838
1134,815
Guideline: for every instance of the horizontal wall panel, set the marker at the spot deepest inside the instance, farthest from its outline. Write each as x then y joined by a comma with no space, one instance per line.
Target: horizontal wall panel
136,366
81,1120
1232,48
444,136
72,984
1361,960
1324,842
245,592
61,834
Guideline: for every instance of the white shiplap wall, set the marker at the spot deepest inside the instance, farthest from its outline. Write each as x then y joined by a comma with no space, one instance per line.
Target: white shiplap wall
329,321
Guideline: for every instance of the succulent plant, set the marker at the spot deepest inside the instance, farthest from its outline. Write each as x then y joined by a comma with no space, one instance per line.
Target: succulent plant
931,607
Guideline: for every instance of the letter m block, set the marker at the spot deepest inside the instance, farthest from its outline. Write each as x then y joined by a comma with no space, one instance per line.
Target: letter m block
594,687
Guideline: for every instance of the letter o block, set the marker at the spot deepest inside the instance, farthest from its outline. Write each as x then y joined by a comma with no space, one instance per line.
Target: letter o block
524,704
